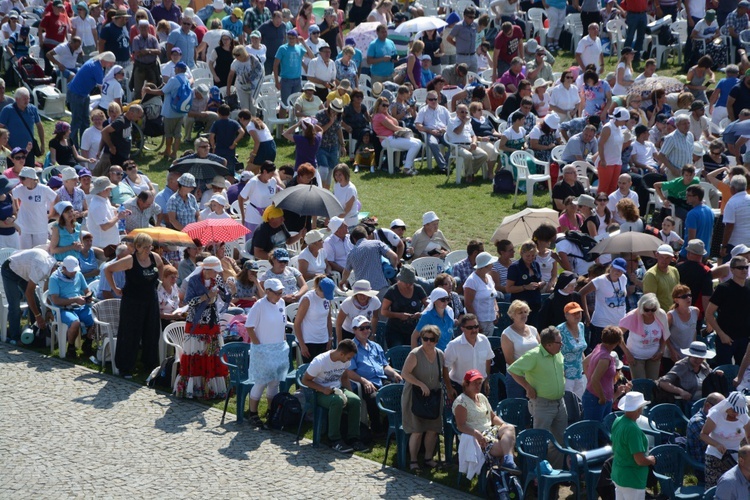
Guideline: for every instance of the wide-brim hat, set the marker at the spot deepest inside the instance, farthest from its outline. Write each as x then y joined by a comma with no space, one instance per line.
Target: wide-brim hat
101,184
484,259
212,263
337,105
27,173
696,246
632,401
121,13
407,274
585,200
698,349
540,82
7,185
363,287
69,174
313,236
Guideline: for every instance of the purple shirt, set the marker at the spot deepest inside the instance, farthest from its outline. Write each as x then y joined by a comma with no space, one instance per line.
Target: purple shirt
509,79
159,12
608,377
306,152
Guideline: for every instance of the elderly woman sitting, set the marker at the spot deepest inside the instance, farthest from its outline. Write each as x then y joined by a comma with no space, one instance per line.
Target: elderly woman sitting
727,424
428,241
484,436
686,377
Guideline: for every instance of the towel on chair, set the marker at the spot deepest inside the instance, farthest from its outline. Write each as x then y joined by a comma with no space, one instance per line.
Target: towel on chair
470,456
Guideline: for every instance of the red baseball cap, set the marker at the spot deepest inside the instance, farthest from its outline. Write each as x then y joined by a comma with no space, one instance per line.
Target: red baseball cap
472,375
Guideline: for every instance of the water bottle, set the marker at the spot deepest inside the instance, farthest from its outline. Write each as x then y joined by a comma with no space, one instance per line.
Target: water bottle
234,333
121,222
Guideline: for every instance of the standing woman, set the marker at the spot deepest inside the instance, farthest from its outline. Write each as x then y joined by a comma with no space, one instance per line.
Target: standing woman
362,301
312,324
648,333
307,143
381,13
479,293
610,151
220,60
414,64
402,306
257,194
700,77
601,368
264,146
305,19
358,12
139,307
525,280
624,72
573,345
517,340
610,299
8,229
422,372
683,320
727,424
433,48
202,374
246,73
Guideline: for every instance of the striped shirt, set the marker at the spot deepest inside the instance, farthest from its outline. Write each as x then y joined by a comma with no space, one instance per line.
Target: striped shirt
678,148
364,260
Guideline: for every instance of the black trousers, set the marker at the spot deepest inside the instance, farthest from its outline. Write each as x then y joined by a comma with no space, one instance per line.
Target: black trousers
314,350
140,326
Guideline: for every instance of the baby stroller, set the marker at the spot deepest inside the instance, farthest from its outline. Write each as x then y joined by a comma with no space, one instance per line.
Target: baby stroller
49,100
148,133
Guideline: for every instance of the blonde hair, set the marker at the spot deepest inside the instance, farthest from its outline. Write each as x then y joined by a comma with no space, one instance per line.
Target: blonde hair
518,306
142,240
417,47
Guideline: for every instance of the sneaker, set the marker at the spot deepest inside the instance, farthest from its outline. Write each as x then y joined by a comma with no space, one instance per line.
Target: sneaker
356,169
256,421
127,376
413,171
359,445
372,170
341,447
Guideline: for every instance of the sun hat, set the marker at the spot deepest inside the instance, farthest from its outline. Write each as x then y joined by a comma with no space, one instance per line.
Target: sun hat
359,321
740,249
546,469
217,181
27,173
181,66
335,223
618,361
738,402
212,264
484,259
17,150
251,265
744,3
25,31
61,206
698,149
377,89
350,41
281,254
101,184
7,185
586,201
272,212
308,86
84,172
472,375
186,180
337,105
313,236
698,349
121,13
407,274
70,263
621,114
246,175
363,287
255,34
665,250
220,199
238,13
572,307
539,82
632,401
426,57
697,246
69,174
57,3
531,46
620,264
14,14
710,15
273,284
429,217
218,4
327,286
552,121
397,223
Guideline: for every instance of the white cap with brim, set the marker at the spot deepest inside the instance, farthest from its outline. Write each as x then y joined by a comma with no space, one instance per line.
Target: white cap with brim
632,401
273,284
212,263
397,223
335,223
359,321
665,250
70,263
27,173
740,249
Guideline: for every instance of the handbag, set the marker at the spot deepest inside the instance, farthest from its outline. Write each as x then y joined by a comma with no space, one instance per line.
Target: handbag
405,134
35,149
233,101
428,407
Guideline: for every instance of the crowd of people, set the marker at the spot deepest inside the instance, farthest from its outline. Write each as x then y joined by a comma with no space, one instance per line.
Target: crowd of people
481,84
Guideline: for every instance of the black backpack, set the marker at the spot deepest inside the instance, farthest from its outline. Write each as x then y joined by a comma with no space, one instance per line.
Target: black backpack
503,486
503,182
584,242
162,377
285,411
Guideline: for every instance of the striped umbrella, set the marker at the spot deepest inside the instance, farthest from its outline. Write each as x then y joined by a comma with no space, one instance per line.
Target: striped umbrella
216,230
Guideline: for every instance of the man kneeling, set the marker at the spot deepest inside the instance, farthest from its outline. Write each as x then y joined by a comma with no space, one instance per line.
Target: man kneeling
68,291
326,375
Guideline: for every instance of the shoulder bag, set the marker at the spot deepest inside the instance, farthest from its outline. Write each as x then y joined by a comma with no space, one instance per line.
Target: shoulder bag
428,407
35,149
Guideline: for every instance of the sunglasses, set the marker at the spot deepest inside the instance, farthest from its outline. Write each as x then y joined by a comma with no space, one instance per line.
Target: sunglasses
472,327
130,168
741,268
686,296
432,98
19,157
366,327
649,310
444,299
602,200
429,339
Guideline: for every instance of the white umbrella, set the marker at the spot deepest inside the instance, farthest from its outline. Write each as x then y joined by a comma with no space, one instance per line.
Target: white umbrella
421,24
520,226
629,242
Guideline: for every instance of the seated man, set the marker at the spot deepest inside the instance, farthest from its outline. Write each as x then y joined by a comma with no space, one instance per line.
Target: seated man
580,146
105,292
370,369
675,191
69,291
568,184
327,375
198,112
428,240
696,447
271,234
686,377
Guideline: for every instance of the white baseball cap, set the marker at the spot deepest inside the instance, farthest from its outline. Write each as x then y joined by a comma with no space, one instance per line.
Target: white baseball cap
397,223
665,250
273,284
70,264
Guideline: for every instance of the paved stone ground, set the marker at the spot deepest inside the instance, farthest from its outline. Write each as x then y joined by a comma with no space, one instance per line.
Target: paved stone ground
68,432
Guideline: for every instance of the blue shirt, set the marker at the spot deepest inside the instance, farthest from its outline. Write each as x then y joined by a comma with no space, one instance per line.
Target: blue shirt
170,90
67,288
117,41
87,78
162,197
118,277
383,48
225,132
700,218
725,86
445,324
88,263
187,42
234,28
290,61
10,120
369,363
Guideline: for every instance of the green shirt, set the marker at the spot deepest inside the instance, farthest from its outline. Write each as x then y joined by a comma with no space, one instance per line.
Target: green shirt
662,284
543,371
627,440
676,188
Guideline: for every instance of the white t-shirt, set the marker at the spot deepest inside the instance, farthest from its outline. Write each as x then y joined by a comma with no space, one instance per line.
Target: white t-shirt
644,153
35,203
352,309
90,141
644,346
580,266
212,39
392,238
32,265
589,50
317,264
609,306
9,32
484,296
541,104
670,238
327,372
546,263
521,344
344,194
315,322
144,185
101,212
65,56
264,134
706,30
207,213
730,434
83,29
168,69
259,53
242,70
616,196
512,135
314,48
566,99
466,133
620,89
460,356
737,212
536,133
257,194
318,69
269,321
111,90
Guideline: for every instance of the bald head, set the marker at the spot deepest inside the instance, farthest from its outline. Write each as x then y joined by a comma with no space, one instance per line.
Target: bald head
712,400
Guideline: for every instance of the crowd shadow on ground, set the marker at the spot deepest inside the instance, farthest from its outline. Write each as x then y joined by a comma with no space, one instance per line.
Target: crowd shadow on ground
38,362
110,391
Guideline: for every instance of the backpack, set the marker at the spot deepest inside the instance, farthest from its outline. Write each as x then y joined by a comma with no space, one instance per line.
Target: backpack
715,383
498,362
285,411
183,98
503,486
503,182
162,375
584,242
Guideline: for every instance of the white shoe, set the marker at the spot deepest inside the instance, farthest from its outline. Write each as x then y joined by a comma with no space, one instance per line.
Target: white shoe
413,171
372,170
356,169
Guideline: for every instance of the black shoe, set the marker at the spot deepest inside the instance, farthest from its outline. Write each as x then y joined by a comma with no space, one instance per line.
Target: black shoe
341,447
71,352
88,348
256,421
359,445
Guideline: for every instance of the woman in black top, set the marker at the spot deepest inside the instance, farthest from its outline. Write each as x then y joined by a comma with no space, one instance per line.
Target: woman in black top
432,42
402,305
140,322
221,61
8,234
62,152
715,158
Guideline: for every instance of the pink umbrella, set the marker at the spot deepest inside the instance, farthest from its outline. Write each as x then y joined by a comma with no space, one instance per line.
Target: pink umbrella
363,34
216,230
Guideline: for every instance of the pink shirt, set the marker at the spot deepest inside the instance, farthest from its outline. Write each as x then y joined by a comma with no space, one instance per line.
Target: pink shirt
379,128
10,174
566,224
608,377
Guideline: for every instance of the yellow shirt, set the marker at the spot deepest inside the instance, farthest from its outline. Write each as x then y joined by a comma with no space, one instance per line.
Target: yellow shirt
333,95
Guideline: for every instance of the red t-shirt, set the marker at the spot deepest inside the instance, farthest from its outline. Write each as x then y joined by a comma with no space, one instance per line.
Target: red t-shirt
55,28
507,46
636,5
199,32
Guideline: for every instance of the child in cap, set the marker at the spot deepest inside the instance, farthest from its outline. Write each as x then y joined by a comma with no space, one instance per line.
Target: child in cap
365,153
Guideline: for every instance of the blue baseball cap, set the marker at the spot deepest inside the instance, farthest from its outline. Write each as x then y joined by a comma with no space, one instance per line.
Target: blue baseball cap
620,264
181,65
281,255
327,286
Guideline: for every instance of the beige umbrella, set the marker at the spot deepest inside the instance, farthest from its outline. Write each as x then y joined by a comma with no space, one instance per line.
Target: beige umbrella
520,226
630,242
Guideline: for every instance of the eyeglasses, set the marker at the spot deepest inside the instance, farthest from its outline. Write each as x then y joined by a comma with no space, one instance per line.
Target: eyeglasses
741,268
385,104
429,339
432,98
472,327
686,296
131,168
602,200
366,327
19,157
569,78
205,146
649,310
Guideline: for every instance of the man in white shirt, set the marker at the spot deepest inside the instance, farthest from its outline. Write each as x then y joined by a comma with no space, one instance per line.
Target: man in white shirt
699,122
623,191
460,132
589,50
65,57
322,71
102,218
432,120
337,246
736,215
470,351
643,151
649,70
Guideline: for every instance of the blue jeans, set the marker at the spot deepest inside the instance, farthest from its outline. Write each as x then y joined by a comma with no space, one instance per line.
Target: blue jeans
327,159
288,87
636,22
79,121
592,410
15,289
434,143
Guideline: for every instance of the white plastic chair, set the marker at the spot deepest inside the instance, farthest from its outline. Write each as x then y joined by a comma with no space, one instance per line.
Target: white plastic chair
428,267
617,30
420,96
174,335
582,170
574,24
680,28
536,20
556,154
707,198
519,159
268,104
454,257
58,329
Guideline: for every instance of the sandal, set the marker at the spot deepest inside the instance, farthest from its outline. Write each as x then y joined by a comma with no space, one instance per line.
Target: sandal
414,467
432,464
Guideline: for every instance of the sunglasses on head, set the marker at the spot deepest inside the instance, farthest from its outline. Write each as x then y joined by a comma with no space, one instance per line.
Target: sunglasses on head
429,339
